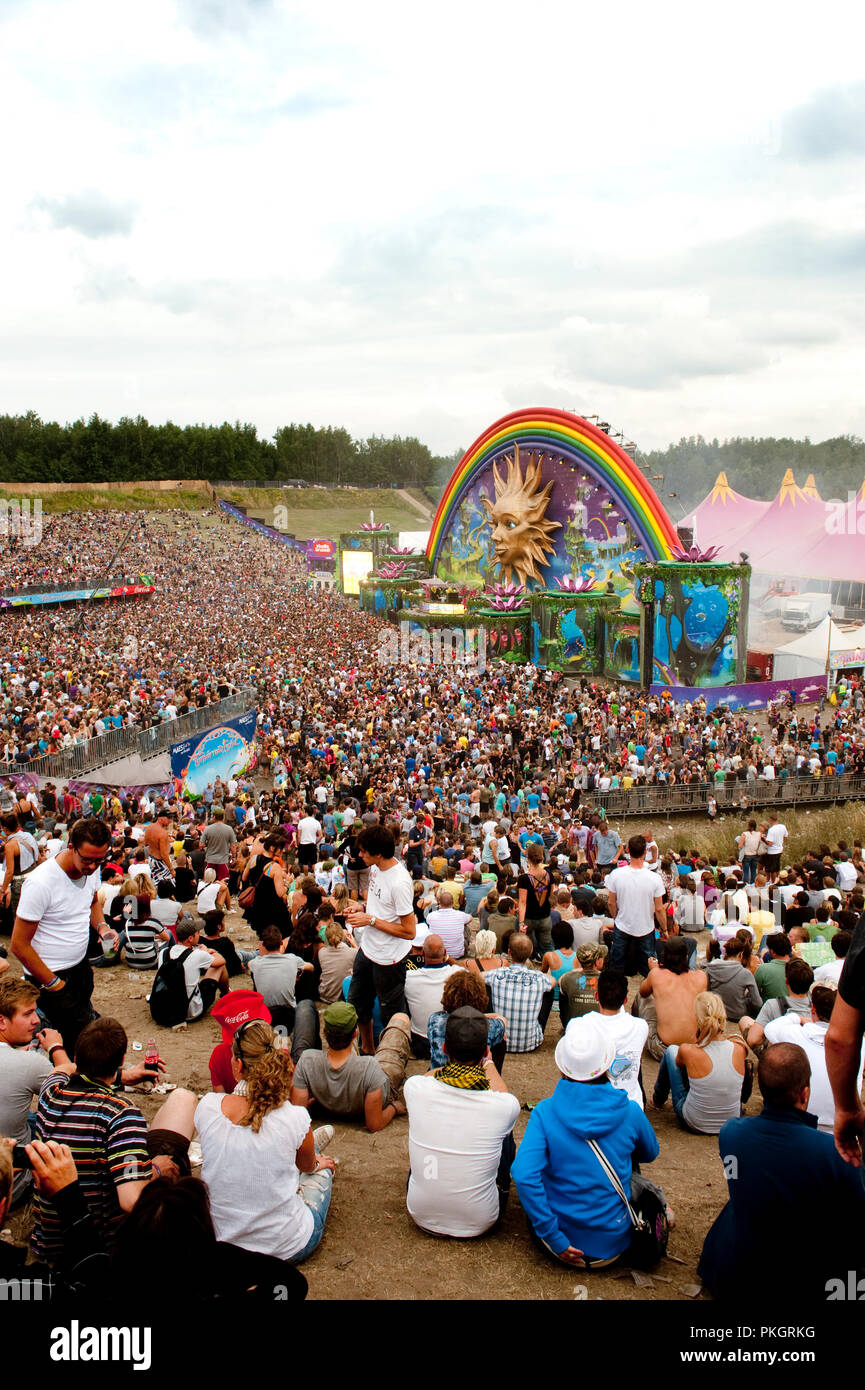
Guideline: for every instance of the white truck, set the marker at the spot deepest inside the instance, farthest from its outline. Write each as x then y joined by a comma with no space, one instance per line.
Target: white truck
803,611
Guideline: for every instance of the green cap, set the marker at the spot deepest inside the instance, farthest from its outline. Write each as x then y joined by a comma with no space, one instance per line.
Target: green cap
343,1017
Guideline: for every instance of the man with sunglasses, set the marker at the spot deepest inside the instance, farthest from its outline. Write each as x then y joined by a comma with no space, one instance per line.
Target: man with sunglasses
58,907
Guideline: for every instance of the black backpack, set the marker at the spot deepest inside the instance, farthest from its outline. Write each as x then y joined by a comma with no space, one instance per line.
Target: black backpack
169,998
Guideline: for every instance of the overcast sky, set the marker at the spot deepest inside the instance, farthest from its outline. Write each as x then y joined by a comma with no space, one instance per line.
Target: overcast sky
411,219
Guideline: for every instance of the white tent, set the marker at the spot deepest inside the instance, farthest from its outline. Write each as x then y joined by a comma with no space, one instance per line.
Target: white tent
807,655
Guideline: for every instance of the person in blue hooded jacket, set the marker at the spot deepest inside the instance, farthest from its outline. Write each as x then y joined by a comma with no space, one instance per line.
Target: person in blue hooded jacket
572,1208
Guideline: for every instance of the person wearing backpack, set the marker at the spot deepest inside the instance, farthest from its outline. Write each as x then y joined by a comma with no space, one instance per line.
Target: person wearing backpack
188,980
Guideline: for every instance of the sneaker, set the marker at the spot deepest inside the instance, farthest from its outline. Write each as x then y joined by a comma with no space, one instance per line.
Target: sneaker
321,1137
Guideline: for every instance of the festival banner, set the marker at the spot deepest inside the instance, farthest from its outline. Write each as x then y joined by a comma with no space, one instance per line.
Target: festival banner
753,695
23,600
225,751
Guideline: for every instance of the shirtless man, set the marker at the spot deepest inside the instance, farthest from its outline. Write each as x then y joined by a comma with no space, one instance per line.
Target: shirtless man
666,998
157,842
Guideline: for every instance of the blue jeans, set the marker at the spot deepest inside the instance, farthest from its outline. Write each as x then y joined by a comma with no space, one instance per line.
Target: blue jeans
672,1081
691,944
315,1190
749,868
619,948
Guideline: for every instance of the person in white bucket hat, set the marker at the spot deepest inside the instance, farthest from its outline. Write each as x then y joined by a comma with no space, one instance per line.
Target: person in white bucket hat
572,1208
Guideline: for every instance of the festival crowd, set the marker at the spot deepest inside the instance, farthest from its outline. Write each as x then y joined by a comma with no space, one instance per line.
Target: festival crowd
424,861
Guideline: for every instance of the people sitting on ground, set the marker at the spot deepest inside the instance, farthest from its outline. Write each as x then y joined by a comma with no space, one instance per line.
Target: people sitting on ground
486,957
799,978
204,969
517,993
666,998
234,1009
706,1078
841,943
629,1034
275,972
211,893
171,1227
451,925
269,1187
116,1154
336,961
461,1118
777,1167
557,963
340,1081
810,1033
501,919
23,1070
165,907
578,988
423,990
465,989
213,938
736,986
770,976
141,936
572,1208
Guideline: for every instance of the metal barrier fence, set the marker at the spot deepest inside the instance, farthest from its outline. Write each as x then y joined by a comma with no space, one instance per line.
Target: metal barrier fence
794,791
122,743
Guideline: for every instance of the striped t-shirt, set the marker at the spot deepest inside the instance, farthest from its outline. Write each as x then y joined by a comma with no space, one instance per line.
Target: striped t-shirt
108,1137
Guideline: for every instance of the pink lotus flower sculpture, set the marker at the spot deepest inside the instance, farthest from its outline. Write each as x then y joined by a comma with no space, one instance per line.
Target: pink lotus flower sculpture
570,585
372,526
391,569
399,550
506,597
694,556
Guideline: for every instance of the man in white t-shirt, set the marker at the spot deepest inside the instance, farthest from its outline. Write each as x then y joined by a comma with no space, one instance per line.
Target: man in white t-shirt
775,838
423,991
461,1119
58,906
389,924
629,1034
204,970
635,896
309,832
810,1034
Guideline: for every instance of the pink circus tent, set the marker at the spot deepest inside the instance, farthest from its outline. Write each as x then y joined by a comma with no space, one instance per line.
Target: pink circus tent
723,515
838,548
776,541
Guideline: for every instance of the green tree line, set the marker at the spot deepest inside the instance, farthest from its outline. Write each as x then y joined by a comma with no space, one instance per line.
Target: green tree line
754,467
95,450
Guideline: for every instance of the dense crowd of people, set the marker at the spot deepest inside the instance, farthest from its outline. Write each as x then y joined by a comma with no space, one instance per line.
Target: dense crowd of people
424,861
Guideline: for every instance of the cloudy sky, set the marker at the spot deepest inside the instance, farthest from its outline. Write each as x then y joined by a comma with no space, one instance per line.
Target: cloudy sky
412,219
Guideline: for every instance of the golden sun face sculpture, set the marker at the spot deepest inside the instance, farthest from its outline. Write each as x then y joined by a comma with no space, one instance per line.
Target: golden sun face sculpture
519,532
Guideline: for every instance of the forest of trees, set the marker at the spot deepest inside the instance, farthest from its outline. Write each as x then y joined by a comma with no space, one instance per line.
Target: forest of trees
94,450
754,467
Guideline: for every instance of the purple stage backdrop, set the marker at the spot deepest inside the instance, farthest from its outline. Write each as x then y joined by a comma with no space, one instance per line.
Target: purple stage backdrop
754,695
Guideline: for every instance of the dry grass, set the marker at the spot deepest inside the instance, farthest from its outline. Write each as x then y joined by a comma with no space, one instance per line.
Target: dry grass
808,830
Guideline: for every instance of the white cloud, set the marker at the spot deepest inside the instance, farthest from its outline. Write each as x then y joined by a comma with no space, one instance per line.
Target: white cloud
411,221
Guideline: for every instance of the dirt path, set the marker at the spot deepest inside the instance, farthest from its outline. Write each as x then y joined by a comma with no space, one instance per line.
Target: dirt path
373,1250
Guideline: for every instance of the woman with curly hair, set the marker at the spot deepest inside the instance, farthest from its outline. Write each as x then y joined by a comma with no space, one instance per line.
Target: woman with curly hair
269,1187
465,989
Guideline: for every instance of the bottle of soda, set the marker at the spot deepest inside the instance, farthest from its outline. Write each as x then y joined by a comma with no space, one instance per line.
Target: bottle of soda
151,1055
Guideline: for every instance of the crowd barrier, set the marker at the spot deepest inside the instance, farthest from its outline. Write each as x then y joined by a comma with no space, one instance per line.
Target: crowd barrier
123,743
694,797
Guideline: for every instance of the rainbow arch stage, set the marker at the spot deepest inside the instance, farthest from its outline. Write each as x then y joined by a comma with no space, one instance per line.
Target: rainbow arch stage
603,514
